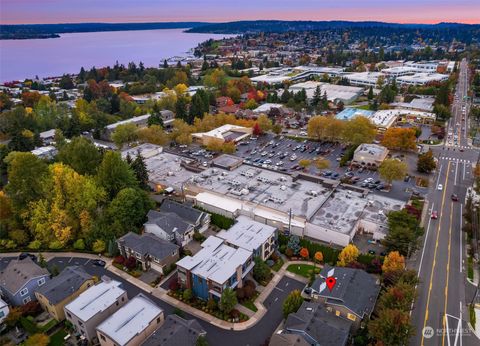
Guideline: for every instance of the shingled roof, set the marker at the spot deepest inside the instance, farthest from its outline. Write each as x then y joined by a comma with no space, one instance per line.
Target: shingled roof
65,284
19,272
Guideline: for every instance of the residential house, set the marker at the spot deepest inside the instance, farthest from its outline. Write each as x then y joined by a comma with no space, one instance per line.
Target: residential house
176,331
176,222
151,251
215,267
131,324
369,155
20,279
251,235
62,289
95,305
4,311
313,325
354,295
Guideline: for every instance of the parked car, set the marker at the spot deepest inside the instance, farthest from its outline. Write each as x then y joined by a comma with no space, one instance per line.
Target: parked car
99,263
371,252
24,255
454,197
440,187
434,215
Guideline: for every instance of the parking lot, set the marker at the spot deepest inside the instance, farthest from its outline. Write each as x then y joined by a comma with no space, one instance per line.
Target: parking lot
283,154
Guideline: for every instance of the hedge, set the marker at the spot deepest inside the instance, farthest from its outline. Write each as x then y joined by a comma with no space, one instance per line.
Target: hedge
330,255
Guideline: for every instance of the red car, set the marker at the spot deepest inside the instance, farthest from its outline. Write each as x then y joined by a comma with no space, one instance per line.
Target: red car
454,198
434,215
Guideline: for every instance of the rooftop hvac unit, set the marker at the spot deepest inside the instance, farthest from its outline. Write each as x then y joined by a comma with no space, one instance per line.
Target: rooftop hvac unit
245,191
283,187
170,174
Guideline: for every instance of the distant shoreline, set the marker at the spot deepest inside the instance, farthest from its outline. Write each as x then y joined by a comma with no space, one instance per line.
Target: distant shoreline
46,31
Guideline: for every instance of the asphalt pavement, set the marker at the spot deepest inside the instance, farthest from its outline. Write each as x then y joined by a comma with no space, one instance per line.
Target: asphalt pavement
255,336
440,312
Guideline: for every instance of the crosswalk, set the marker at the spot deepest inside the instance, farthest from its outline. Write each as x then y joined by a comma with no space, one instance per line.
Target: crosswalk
455,159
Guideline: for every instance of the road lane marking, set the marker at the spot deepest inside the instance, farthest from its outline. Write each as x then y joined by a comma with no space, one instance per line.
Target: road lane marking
448,270
70,260
279,289
86,262
439,173
435,252
456,171
461,233
425,242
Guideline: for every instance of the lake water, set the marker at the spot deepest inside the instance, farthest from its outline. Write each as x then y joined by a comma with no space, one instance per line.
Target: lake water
21,59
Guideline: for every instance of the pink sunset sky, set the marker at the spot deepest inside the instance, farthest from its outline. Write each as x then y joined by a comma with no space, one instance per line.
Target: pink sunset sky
76,11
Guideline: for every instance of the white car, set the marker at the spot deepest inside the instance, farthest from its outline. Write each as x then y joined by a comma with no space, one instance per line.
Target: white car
440,187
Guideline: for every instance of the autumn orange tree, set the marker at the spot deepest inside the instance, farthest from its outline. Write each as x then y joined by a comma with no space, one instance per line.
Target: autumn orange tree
304,253
318,256
348,255
400,138
393,262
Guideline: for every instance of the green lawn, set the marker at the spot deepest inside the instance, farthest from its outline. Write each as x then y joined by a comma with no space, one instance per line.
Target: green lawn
276,267
28,325
470,267
249,305
302,269
57,338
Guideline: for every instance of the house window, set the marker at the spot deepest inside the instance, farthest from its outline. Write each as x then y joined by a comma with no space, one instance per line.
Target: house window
41,281
24,292
174,253
158,320
26,300
156,260
68,314
80,323
351,317
123,299
138,255
102,337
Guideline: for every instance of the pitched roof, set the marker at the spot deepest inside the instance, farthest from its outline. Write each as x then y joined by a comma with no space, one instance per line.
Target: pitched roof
19,272
176,331
148,244
355,289
288,340
184,211
167,221
65,284
317,326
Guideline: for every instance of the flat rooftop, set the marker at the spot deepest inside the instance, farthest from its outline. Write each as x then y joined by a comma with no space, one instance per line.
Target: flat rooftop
215,261
372,149
349,113
247,233
130,320
342,211
260,186
95,299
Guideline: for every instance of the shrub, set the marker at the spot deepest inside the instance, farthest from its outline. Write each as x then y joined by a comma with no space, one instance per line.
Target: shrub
212,304
79,244
274,257
289,252
35,245
234,313
32,308
98,246
174,285
168,269
250,283
248,292
131,263
119,260
187,295
55,245
240,293
197,236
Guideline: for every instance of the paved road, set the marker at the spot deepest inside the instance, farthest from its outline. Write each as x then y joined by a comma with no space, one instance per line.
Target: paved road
441,301
254,336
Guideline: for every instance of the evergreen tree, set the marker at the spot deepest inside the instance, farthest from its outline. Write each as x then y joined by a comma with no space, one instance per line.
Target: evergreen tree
181,110
370,93
140,169
317,96
165,63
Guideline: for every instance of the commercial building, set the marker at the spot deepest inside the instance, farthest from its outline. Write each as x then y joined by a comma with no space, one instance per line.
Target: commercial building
151,251
131,324
350,113
252,236
222,134
422,78
354,295
335,93
313,325
176,331
370,156
95,305
364,78
139,121
20,279
214,268
62,289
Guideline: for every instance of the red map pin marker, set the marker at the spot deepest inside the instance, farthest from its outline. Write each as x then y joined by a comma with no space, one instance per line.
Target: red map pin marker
331,281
